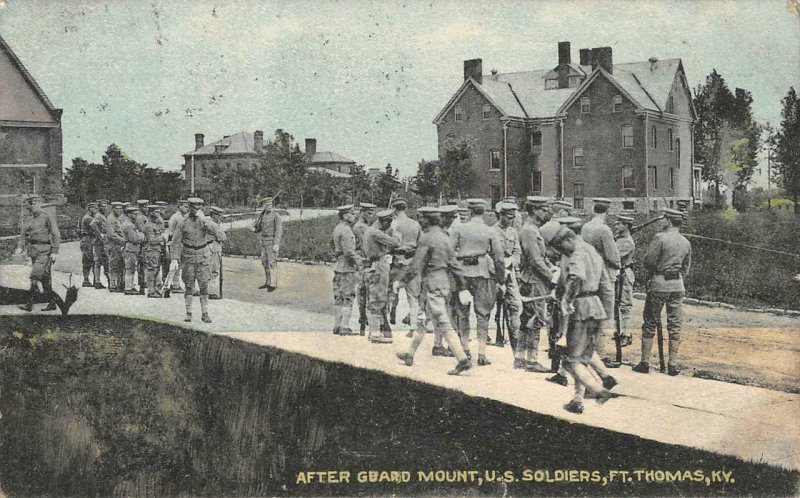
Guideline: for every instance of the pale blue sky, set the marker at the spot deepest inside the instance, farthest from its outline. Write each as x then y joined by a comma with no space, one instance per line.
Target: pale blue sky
364,78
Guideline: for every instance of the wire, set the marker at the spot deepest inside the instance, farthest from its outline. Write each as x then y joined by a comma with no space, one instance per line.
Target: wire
693,236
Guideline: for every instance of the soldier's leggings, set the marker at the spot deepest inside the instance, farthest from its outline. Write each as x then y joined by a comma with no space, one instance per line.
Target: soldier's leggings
87,256
582,337
152,260
481,289
100,261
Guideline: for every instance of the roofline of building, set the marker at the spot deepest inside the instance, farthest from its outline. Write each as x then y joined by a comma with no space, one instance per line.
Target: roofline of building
29,79
463,88
588,81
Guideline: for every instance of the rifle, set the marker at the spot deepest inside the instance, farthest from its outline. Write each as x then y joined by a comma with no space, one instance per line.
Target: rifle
220,274
618,332
499,335
660,338
646,224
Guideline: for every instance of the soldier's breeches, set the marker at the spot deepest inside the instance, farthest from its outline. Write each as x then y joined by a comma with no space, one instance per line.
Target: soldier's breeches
269,260
344,288
152,265
435,302
199,270
533,318
87,257
582,338
513,304
100,260
40,259
378,282
626,299
653,305
482,290
606,292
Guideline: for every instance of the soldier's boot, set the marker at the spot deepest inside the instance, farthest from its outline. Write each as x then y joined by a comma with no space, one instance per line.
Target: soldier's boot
406,358
647,347
672,368
574,406
393,314
462,366
362,328
98,284
204,308
626,338
337,319
31,298
51,296
559,379
129,290
86,281
344,314
483,361
266,283
375,330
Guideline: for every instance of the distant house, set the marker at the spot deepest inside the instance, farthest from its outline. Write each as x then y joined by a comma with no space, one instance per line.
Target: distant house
30,134
577,131
329,162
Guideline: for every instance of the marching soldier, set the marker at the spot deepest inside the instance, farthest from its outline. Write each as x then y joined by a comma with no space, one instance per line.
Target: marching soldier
598,234
667,262
99,228
627,248
366,219
153,248
139,219
115,241
481,254
409,231
447,213
435,260
162,206
132,247
190,250
379,241
87,243
40,238
270,229
345,270
176,219
509,238
215,290
535,278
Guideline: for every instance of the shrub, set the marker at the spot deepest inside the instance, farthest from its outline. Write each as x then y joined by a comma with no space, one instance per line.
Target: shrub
302,239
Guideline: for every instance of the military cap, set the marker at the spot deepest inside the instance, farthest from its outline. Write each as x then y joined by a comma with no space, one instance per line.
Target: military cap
126,204
91,204
448,208
386,213
183,201
476,202
400,201
367,206
195,200
623,218
345,209
131,209
602,200
216,210
118,204
505,207
536,200
142,202
673,214
153,207
568,221
267,201
559,203
160,203
428,211
100,202
559,235
463,209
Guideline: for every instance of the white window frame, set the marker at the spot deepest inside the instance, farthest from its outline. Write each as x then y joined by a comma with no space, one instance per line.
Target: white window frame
630,146
616,101
499,159
632,175
534,145
575,198
575,155
458,114
548,84
586,101
487,111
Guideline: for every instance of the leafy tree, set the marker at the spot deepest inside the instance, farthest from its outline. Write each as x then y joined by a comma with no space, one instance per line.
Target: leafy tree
787,147
456,176
427,179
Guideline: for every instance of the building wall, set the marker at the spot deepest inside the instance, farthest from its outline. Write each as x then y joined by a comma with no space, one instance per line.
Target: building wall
203,167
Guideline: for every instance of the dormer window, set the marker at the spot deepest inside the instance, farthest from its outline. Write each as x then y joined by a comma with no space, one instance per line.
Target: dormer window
574,81
219,148
458,114
586,105
551,84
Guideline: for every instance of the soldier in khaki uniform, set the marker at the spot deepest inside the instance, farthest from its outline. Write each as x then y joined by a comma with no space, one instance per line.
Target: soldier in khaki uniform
115,241
269,228
366,219
668,260
599,235
409,232
190,249
509,237
435,261
480,252
153,247
87,241
176,219
627,248
345,270
379,242
214,290
132,248
99,228
41,239
139,219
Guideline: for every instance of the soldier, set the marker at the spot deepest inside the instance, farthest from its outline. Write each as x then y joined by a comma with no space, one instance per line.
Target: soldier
447,214
598,234
627,248
190,249
366,219
153,248
176,219
132,248
409,231
435,261
345,270
509,237
40,238
480,252
87,243
139,219
517,219
115,243
99,228
581,304
379,241
164,259
667,262
535,278
214,289
270,229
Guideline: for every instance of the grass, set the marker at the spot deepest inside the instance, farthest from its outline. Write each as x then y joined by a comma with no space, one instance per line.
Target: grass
302,239
98,405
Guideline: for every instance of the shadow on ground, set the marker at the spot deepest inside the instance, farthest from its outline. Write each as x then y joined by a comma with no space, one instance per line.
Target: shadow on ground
99,405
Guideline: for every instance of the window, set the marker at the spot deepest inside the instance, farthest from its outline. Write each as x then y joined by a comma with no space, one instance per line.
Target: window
494,159
669,138
678,153
670,104
586,105
617,104
536,142
551,84
627,177
653,137
487,111
494,192
671,204
577,156
458,113
627,205
672,179
536,182
655,205
577,195
627,136
653,177
574,81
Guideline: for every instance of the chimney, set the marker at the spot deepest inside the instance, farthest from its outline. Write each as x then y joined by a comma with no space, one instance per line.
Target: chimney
653,63
258,140
311,146
601,57
199,141
585,57
473,68
563,53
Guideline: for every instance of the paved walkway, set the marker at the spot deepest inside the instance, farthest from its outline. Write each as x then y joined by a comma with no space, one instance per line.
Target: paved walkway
748,422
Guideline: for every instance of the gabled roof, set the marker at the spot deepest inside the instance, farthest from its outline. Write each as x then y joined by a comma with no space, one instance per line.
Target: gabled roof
329,157
331,172
240,143
28,77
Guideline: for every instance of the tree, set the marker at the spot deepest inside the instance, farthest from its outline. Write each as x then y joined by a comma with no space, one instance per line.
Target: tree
456,175
427,179
787,148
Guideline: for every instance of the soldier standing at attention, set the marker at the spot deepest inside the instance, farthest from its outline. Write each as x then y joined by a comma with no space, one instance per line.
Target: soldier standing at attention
435,261
162,211
216,255
132,248
667,262
509,237
176,219
379,241
190,249
409,231
153,246
269,227
99,228
87,243
139,219
627,248
40,238
480,252
345,270
366,219
116,242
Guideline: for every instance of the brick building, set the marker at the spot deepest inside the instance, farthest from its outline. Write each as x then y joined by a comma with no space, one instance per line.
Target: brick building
578,131
30,134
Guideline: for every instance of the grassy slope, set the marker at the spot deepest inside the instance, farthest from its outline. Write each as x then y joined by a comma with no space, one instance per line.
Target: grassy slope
102,406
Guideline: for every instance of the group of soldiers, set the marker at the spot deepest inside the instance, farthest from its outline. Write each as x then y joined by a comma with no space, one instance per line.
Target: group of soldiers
549,271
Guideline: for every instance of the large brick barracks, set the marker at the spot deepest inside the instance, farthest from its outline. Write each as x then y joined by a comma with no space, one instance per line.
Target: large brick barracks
577,131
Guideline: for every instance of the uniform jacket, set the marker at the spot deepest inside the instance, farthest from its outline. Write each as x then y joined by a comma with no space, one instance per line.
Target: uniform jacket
534,268
435,260
509,239
270,227
475,239
86,227
344,245
192,238
378,243
133,237
358,230
586,264
140,221
174,220
669,252
409,232
216,244
154,234
40,229
597,234
627,248
99,226
114,229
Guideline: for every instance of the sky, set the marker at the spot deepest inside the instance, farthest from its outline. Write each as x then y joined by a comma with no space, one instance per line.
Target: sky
364,78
